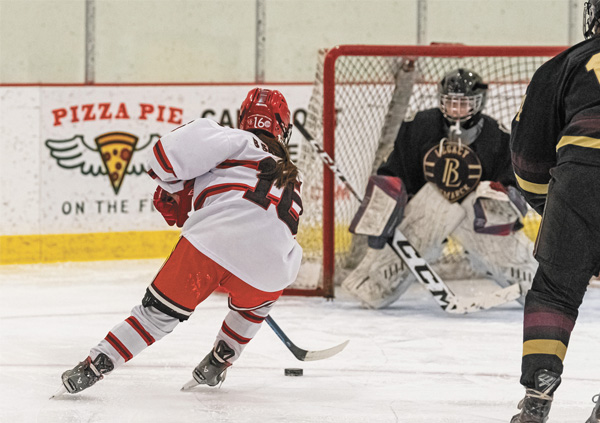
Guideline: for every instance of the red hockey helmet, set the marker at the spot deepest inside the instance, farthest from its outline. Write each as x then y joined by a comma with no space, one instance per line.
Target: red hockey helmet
267,111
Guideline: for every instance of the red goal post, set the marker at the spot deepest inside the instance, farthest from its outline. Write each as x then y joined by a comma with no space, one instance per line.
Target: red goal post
348,114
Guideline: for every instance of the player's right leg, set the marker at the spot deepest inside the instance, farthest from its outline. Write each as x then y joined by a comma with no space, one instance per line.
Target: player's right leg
171,298
141,329
568,252
550,313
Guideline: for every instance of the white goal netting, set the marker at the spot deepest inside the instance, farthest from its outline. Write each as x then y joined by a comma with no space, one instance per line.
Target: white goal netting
374,88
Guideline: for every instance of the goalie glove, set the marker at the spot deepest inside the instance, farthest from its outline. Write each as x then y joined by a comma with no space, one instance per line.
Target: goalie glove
498,210
381,210
175,207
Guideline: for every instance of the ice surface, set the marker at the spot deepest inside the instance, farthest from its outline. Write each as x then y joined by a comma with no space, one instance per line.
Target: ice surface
409,363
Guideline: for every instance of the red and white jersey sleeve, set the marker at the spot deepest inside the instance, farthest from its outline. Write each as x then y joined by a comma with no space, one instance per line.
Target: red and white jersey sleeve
188,152
245,224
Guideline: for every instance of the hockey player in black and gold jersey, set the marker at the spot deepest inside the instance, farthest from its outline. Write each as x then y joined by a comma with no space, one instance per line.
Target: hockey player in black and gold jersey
488,139
555,144
462,152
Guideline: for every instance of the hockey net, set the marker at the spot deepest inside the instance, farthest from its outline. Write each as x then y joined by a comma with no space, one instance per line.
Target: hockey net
360,96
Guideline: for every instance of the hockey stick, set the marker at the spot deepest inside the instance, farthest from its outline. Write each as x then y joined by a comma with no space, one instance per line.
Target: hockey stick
299,353
418,266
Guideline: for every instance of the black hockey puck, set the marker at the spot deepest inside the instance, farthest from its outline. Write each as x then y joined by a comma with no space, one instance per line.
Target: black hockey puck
293,372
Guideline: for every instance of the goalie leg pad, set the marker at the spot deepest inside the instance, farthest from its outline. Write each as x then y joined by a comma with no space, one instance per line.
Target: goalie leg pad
506,259
381,278
429,219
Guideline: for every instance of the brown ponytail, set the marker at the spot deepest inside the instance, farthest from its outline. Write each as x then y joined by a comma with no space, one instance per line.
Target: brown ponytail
285,172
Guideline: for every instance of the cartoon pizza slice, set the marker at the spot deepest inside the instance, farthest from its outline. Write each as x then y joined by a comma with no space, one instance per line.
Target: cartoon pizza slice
116,150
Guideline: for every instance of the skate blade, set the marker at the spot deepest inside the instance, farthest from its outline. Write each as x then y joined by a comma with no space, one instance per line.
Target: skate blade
192,383
58,393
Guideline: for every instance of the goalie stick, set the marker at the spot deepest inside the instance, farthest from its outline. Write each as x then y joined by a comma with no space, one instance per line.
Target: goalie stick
299,353
418,266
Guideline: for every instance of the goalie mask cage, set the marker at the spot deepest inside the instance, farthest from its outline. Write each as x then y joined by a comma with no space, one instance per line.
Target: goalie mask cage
360,96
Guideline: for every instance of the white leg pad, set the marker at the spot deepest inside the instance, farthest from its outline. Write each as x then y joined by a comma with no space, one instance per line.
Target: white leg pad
506,259
381,277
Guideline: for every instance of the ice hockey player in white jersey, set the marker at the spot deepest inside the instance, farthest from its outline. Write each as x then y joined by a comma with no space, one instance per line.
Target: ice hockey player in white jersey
454,162
241,192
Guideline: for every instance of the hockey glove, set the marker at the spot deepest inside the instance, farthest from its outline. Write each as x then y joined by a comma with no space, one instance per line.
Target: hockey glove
498,210
166,204
174,207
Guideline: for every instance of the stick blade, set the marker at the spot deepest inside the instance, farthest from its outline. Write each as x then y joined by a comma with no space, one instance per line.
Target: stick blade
323,354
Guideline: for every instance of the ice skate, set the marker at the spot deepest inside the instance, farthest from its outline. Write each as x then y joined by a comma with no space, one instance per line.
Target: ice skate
213,368
595,417
535,407
85,374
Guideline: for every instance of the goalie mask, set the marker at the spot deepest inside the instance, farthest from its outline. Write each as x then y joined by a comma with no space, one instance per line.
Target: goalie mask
462,95
591,18
266,111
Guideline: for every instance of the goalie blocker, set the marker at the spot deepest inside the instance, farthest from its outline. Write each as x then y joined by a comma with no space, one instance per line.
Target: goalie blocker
381,210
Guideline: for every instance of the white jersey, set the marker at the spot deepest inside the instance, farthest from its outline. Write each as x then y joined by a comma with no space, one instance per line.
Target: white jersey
243,223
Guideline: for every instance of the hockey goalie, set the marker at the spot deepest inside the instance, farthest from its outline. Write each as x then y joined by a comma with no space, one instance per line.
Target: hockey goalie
449,176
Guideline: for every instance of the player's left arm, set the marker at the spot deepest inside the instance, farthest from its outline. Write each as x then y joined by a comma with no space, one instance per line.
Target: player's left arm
503,171
533,138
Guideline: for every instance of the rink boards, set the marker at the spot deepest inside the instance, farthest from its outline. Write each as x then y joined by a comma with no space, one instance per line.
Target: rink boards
59,200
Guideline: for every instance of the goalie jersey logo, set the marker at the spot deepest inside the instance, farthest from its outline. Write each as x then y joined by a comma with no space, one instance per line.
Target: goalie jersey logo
454,168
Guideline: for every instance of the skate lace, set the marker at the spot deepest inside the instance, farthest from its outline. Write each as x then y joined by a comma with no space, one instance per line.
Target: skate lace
532,393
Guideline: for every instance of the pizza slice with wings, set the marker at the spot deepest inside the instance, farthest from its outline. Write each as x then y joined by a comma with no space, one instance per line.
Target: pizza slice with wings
116,150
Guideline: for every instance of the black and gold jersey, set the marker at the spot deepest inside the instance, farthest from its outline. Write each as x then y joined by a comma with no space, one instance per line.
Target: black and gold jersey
418,136
559,119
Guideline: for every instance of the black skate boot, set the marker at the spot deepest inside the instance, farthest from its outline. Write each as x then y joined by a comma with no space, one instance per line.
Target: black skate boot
595,417
213,368
86,373
535,407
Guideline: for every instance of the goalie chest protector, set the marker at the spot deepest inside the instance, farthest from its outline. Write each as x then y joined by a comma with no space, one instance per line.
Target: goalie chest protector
454,168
